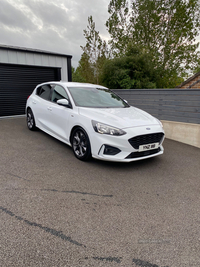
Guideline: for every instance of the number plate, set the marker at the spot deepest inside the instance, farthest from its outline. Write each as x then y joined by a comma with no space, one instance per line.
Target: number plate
148,147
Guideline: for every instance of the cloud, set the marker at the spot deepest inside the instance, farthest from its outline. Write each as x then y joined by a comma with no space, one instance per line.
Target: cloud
48,13
11,17
53,25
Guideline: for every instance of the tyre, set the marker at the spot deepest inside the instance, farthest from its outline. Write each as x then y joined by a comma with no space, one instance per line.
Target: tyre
81,144
30,120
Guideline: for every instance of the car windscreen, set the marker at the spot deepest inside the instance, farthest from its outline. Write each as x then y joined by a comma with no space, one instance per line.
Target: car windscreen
96,98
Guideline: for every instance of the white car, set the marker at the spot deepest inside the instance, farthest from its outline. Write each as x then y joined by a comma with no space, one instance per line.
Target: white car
94,121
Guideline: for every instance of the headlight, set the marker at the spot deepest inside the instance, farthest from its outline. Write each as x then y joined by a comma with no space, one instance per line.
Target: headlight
106,129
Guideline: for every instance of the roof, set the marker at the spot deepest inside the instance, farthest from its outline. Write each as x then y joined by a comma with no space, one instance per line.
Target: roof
73,84
31,50
190,80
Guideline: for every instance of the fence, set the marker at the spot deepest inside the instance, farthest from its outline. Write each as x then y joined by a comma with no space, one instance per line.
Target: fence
180,105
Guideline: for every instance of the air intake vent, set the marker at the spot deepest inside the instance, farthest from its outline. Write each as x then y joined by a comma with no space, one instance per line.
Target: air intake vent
143,154
146,139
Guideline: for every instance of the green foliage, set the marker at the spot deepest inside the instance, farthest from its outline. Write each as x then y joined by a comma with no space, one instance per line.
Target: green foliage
134,70
197,69
118,26
166,29
76,76
84,71
95,49
152,45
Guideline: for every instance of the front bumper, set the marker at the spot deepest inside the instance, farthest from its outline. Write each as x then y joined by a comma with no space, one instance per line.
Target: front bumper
122,150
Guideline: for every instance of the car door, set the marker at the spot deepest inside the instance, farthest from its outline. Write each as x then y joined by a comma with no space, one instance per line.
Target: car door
58,115
40,105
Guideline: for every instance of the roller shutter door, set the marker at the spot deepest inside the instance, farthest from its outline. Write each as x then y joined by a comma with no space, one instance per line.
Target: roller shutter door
17,83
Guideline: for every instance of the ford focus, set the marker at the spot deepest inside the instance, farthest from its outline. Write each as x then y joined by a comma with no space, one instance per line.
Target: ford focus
94,121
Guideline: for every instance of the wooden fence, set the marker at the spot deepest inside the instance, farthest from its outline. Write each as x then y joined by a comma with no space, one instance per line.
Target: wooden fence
181,105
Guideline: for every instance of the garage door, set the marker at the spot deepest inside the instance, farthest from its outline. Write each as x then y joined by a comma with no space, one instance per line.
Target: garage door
17,83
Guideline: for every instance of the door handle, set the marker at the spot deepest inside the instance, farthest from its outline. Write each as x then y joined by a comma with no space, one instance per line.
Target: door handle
49,108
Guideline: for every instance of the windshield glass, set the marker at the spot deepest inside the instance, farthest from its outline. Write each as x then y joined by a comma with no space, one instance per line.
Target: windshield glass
96,98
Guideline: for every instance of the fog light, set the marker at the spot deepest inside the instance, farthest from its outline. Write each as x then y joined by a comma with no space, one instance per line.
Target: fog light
110,150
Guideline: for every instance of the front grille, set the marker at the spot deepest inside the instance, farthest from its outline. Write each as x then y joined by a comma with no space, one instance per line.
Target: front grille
143,153
146,139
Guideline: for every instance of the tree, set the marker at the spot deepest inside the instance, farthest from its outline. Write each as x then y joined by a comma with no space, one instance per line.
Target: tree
118,26
132,71
84,72
77,76
166,29
95,49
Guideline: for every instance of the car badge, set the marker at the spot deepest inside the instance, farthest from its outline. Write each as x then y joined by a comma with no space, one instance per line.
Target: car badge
148,128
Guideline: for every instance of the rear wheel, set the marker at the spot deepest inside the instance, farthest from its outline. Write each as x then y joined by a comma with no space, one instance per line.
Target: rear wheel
30,120
81,144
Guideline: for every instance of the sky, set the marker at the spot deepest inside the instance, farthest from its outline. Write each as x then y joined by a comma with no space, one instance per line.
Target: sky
51,25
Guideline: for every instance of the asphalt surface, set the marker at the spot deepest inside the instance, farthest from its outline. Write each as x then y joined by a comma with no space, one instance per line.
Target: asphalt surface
58,211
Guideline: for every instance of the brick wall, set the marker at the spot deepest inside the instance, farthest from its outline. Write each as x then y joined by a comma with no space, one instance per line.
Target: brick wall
193,84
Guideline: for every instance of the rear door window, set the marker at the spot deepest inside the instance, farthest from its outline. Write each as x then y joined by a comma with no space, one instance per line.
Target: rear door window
44,91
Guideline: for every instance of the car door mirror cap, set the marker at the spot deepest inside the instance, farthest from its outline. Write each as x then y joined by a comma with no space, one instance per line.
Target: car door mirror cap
63,102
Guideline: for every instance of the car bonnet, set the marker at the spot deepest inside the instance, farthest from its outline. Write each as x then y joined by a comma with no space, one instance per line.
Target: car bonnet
119,117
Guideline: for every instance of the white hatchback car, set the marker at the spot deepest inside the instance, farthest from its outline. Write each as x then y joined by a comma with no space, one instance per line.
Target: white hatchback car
94,121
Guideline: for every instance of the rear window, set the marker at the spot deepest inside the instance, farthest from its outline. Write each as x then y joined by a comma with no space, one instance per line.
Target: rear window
44,91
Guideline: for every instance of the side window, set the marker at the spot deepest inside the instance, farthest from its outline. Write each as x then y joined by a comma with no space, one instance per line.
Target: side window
58,93
44,91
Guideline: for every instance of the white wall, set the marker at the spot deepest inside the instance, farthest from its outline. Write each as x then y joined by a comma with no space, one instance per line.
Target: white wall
35,59
187,133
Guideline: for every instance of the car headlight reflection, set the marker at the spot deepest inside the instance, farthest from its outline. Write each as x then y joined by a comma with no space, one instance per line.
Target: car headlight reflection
106,129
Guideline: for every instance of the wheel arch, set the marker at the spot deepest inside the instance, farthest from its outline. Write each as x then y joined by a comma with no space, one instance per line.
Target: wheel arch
27,108
87,154
28,111
73,129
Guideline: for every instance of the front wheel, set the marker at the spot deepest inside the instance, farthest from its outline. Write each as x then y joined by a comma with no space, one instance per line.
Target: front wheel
81,144
30,120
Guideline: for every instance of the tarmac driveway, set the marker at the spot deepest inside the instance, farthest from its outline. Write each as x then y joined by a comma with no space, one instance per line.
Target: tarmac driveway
58,211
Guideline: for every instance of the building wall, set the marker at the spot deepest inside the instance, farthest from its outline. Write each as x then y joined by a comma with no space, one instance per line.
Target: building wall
193,84
35,58
21,69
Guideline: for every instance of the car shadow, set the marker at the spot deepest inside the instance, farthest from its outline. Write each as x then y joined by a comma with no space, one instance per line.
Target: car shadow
96,162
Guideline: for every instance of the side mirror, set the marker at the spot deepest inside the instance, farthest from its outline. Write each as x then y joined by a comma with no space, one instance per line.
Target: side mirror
63,102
